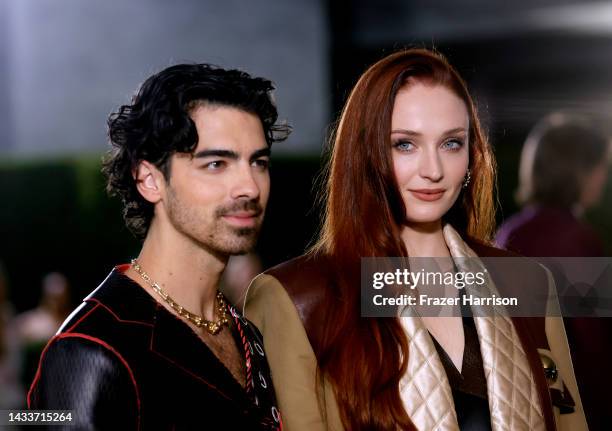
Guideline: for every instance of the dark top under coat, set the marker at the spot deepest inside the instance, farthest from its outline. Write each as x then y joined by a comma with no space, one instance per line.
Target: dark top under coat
469,387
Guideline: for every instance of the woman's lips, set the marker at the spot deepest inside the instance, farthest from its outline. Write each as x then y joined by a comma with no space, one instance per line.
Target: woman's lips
428,195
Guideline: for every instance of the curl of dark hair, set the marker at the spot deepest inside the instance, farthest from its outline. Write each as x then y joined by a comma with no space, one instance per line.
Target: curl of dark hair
157,125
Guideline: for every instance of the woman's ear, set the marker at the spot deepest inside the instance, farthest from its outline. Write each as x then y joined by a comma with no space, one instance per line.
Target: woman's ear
150,181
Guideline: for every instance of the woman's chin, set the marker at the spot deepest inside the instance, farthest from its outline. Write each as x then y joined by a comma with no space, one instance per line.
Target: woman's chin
425,217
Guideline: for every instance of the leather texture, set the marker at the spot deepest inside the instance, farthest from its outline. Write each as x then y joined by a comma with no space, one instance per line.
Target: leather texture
425,389
97,383
122,361
514,399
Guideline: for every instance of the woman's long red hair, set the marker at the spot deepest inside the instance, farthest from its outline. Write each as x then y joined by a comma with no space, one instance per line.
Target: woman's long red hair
365,358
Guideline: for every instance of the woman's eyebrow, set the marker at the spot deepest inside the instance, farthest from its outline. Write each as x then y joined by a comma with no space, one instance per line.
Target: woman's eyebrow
413,133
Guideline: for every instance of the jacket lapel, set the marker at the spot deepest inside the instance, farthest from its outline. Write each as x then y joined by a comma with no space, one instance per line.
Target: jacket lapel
424,388
175,342
171,339
517,398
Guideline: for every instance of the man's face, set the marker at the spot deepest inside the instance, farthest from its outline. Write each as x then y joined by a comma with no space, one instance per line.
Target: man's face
217,198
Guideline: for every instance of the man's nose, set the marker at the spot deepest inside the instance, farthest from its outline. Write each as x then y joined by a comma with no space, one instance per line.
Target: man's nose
245,184
430,166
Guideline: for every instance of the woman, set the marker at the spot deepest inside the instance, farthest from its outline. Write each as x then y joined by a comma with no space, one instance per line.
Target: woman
410,174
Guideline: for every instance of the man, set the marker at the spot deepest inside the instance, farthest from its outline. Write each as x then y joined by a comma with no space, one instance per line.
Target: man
156,346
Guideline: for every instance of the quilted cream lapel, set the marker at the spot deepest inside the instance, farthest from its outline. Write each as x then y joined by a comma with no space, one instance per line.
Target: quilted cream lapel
424,388
512,393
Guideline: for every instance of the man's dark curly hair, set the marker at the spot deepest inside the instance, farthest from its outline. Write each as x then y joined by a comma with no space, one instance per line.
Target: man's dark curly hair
157,125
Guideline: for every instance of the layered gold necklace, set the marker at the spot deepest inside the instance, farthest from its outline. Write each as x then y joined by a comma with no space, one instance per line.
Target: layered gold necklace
199,321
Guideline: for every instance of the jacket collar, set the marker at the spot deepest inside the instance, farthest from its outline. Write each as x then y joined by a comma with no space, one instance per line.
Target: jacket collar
523,328
170,338
175,342
125,298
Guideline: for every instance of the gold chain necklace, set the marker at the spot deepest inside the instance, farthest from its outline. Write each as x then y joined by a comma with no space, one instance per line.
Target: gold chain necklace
199,321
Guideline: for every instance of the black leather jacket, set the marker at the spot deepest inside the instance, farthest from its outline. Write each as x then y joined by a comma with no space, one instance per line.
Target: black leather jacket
122,361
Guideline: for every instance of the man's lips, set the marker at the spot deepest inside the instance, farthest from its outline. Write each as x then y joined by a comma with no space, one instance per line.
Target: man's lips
428,195
243,218
242,214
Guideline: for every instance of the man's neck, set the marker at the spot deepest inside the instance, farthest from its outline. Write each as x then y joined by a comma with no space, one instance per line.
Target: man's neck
183,269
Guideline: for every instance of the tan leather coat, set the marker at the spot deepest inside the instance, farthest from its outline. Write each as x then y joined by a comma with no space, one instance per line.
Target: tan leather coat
285,302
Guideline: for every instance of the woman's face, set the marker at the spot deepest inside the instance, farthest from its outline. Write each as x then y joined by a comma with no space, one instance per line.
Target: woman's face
429,138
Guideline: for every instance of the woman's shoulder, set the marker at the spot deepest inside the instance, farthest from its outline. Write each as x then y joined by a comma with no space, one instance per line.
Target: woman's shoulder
300,284
284,302
516,270
303,276
483,249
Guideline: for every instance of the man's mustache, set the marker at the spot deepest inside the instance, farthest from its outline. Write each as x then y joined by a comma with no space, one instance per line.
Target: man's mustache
250,206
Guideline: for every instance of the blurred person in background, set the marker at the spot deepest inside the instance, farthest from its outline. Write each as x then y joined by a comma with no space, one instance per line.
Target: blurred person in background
34,328
563,172
11,392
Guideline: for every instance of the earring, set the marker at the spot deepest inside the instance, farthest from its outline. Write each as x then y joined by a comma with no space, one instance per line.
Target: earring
468,177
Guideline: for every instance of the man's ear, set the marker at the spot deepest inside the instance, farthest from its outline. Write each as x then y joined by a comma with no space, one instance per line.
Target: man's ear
150,181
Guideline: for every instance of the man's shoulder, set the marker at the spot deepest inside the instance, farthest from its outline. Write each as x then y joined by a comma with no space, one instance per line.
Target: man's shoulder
80,372
94,344
116,305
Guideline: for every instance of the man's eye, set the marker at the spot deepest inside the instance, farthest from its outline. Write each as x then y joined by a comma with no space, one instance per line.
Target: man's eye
262,163
217,164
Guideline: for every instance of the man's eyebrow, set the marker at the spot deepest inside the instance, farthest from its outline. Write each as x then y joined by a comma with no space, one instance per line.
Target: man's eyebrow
264,152
227,154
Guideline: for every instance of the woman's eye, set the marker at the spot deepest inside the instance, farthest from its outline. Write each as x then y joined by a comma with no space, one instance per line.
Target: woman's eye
404,146
452,145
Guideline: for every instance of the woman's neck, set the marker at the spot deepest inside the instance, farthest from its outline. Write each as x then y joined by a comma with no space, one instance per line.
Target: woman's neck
425,239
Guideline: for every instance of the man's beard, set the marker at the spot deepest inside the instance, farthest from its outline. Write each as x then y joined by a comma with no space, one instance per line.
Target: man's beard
251,206
211,231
